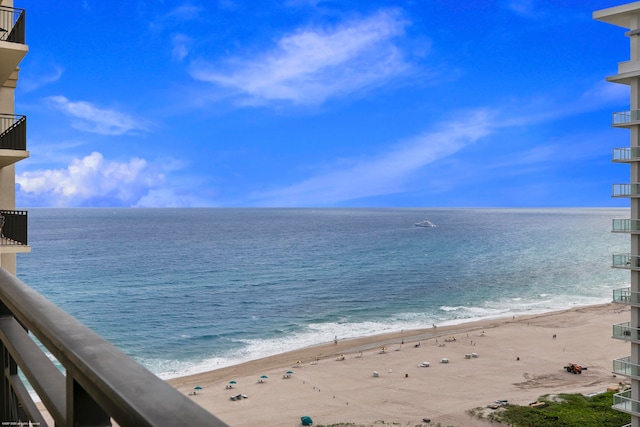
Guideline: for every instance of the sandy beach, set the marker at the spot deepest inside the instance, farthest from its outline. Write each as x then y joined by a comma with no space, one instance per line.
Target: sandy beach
515,359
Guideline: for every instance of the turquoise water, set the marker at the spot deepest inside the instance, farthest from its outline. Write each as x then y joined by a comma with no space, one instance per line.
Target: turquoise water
187,290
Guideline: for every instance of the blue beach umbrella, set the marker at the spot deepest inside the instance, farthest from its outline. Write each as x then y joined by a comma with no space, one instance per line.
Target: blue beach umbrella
197,387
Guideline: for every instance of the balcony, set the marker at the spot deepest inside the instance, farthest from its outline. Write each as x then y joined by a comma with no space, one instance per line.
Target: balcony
626,155
625,296
624,331
626,118
622,402
625,368
99,382
627,72
625,190
12,40
13,139
631,226
626,261
13,231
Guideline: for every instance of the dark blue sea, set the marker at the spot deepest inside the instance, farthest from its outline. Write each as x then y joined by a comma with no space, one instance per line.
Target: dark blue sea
188,290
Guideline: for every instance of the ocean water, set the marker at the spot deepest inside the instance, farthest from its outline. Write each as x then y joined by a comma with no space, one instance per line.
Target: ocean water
188,290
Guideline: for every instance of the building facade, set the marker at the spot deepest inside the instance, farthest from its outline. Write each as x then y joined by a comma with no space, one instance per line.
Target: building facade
627,16
13,134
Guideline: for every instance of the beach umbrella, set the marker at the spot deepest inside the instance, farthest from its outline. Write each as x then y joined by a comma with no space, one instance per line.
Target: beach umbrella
198,387
264,376
232,382
289,372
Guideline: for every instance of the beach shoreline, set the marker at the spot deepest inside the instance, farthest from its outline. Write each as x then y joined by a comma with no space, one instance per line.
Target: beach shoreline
515,359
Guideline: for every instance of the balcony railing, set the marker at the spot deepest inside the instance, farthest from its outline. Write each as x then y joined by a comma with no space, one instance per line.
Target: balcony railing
12,25
99,383
13,132
624,331
13,228
624,367
626,226
626,154
628,261
624,118
626,190
622,402
625,296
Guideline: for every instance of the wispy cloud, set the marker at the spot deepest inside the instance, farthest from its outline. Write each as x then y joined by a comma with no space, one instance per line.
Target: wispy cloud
180,44
33,82
176,16
385,174
88,181
523,8
313,65
90,118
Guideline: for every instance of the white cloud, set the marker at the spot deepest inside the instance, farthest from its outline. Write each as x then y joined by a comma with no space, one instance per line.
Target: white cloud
523,8
184,13
605,93
170,198
52,75
89,118
313,65
89,181
180,46
386,174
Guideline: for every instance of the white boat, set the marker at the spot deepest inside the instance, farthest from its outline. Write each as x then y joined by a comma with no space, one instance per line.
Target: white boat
425,223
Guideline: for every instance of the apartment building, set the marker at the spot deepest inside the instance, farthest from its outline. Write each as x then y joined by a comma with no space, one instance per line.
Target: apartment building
13,134
627,17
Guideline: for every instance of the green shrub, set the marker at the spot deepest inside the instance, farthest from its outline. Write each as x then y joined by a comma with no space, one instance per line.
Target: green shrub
565,410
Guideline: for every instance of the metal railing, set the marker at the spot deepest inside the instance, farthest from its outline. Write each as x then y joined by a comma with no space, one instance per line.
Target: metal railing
12,25
100,382
13,228
13,132
625,117
626,154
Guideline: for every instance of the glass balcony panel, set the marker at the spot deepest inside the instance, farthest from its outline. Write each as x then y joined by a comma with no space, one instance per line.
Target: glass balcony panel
625,190
624,295
626,154
622,402
629,261
624,367
625,117
624,331
626,226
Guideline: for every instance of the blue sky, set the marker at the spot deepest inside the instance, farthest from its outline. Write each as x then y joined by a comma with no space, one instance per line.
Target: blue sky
309,103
